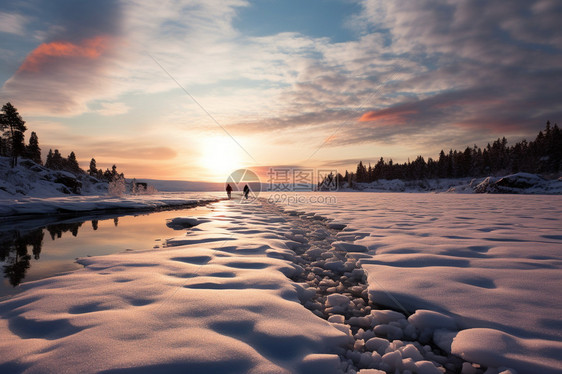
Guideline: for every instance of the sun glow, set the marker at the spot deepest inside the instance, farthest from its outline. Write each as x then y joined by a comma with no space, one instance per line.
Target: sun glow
220,156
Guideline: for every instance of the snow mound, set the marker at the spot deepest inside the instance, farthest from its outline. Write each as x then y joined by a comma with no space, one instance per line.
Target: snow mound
508,350
429,319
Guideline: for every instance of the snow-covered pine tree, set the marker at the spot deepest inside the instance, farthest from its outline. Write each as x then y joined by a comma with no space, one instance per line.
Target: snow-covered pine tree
14,127
93,170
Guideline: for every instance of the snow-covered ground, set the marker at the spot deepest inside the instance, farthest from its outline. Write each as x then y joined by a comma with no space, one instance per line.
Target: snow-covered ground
492,262
252,289
216,300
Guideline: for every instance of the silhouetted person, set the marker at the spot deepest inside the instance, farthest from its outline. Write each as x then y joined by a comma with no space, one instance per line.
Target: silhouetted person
246,191
228,190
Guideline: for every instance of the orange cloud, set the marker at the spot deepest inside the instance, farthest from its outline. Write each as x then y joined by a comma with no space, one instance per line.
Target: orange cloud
387,116
330,139
89,48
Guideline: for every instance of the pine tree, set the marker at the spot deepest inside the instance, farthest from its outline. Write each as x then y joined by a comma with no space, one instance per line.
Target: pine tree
18,147
33,151
557,148
378,170
49,159
57,162
361,173
14,127
107,175
93,170
72,163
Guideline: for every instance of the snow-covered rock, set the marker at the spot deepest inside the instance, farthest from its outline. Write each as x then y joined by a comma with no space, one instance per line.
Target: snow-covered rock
30,179
179,223
519,183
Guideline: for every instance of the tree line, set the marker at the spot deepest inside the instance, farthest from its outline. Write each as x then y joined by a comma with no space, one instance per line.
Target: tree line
540,156
12,144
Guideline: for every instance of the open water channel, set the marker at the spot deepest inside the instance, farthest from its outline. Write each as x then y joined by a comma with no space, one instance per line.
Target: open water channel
48,245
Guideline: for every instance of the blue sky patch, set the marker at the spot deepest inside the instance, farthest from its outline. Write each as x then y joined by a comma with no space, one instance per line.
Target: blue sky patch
315,18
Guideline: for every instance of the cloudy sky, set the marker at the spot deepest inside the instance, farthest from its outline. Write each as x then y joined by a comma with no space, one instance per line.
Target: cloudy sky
193,89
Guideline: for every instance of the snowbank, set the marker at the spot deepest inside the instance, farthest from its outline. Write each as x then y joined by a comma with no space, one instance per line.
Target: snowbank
398,185
84,204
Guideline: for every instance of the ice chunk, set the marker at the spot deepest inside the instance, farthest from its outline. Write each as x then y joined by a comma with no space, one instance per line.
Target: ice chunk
391,332
386,316
337,300
358,345
378,345
371,371
360,322
409,364
410,351
427,367
428,319
336,265
349,247
393,360
336,225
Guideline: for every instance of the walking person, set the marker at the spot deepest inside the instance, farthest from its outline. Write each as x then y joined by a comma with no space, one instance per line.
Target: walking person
246,191
229,191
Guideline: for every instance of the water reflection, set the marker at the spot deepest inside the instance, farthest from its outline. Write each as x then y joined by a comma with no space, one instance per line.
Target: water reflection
56,243
14,252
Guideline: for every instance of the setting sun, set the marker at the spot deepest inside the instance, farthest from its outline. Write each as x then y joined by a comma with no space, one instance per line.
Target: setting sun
220,156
